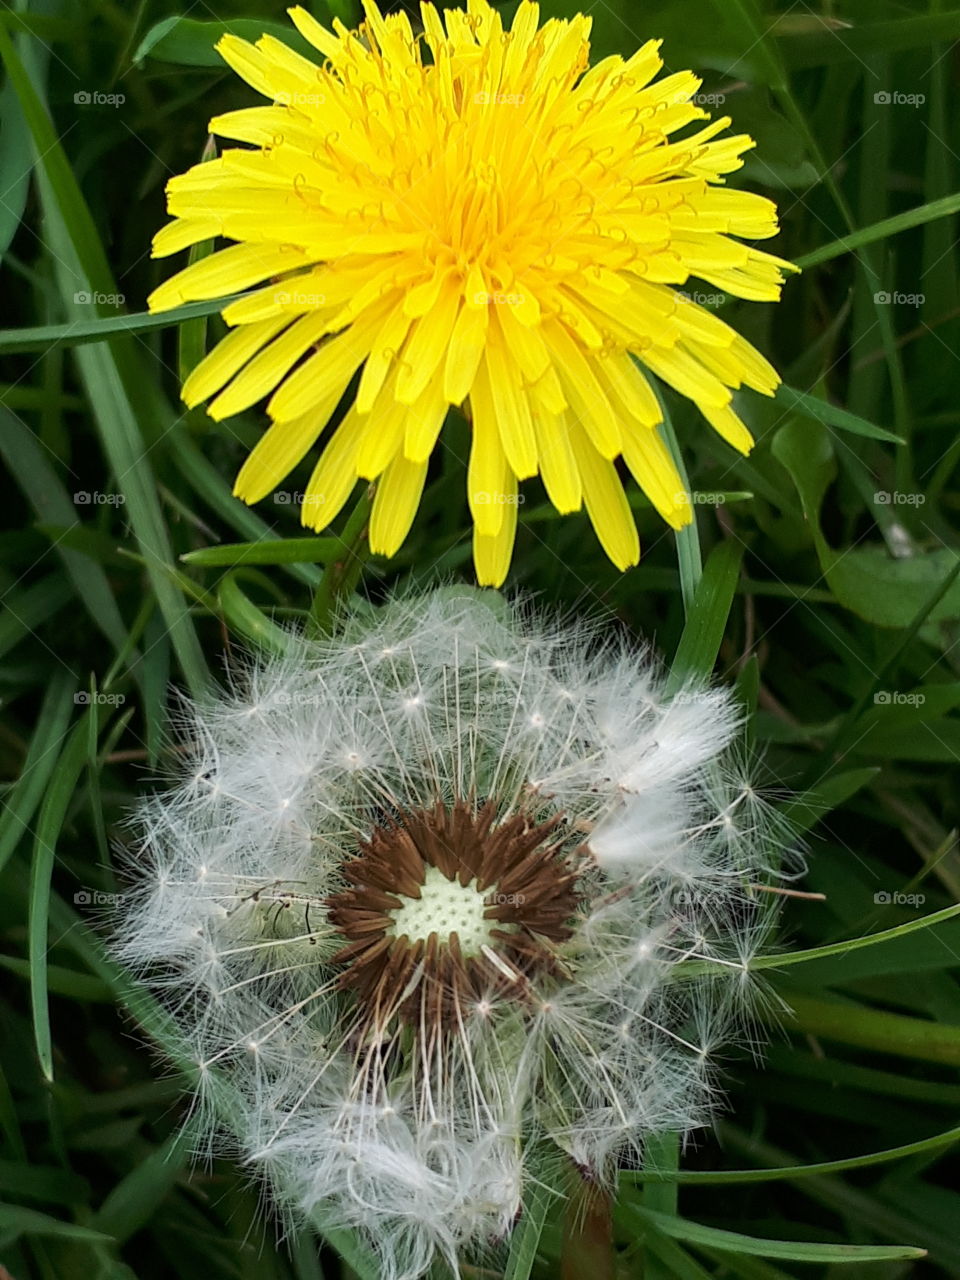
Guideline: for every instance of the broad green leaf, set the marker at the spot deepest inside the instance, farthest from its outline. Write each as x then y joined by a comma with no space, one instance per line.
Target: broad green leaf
889,592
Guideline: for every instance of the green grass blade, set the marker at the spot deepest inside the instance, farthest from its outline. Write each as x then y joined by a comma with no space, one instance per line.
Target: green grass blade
790,1250
52,814
79,332
267,551
707,618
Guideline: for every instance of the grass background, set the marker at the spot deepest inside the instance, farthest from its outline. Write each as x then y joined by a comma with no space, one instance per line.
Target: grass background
830,595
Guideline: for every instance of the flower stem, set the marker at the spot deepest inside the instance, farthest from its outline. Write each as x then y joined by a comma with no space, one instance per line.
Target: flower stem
587,1232
342,574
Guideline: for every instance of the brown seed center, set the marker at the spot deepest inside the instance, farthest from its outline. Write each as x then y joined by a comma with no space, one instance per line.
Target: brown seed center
447,905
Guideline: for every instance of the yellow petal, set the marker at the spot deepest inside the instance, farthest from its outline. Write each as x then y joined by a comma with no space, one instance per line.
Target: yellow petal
334,476
726,424
423,422
464,352
227,271
492,553
230,354
511,405
395,504
558,465
275,455
181,234
487,471
606,502
583,390
656,473
427,345
266,369
326,373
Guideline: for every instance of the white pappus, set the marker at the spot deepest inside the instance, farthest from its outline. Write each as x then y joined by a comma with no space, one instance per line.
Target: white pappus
451,885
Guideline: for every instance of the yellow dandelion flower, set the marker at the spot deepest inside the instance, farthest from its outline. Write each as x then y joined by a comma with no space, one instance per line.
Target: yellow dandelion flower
471,217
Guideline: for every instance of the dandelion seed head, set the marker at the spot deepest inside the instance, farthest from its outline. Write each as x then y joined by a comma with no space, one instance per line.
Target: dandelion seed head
397,977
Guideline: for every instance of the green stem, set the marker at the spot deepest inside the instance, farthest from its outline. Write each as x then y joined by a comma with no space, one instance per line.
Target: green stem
342,573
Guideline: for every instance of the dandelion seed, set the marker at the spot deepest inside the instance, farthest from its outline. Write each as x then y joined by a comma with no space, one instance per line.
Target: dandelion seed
438,963
473,217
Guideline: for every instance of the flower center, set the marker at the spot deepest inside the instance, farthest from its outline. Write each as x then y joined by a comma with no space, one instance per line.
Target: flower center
445,907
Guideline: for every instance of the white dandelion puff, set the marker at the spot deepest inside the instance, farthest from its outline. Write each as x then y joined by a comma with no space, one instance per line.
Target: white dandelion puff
452,884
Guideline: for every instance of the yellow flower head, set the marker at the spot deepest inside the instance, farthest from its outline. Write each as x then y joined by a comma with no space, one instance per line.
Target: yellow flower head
472,217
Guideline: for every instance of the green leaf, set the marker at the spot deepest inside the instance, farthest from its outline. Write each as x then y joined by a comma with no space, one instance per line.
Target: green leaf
21,801
700,641
832,415
526,1234
42,1182
794,1250
80,332
244,616
806,810
40,483
787,958
853,1024
890,592
190,42
52,814
821,46
134,1200
313,550
16,1221
80,263
781,1173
